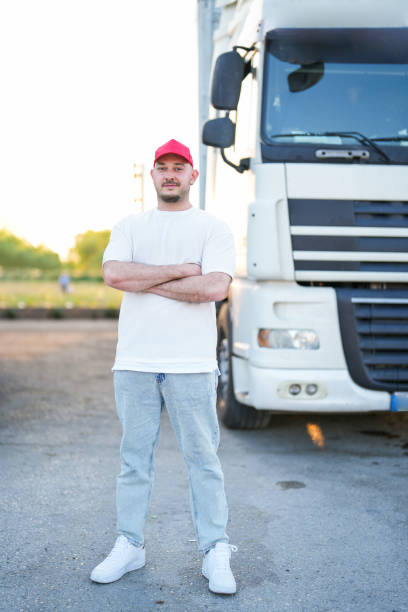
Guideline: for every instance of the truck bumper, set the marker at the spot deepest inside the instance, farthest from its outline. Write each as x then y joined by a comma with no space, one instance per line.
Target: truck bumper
268,389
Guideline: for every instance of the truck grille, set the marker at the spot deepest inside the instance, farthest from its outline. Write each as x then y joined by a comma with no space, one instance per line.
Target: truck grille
374,328
380,214
348,240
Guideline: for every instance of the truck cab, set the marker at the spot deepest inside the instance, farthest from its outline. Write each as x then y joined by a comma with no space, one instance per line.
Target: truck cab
307,162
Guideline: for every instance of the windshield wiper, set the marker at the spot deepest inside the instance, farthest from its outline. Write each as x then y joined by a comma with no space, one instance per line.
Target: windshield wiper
357,135
391,138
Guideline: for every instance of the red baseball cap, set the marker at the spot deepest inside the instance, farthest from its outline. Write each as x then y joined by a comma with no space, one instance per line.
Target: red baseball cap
176,148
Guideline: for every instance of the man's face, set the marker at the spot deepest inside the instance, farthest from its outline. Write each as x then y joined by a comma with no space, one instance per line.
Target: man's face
172,177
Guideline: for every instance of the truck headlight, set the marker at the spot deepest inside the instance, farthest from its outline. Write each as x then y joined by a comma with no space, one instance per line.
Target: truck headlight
303,339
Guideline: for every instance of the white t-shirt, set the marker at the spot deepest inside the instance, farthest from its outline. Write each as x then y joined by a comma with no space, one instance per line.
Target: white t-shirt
159,334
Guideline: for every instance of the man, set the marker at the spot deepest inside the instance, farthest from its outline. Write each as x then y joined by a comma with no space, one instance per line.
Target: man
173,263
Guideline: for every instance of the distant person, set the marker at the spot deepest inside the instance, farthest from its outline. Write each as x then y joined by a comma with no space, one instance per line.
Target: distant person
173,262
64,282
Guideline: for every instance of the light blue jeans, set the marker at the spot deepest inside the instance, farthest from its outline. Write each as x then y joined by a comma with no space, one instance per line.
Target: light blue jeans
190,400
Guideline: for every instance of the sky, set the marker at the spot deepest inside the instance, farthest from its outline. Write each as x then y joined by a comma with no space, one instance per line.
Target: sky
89,88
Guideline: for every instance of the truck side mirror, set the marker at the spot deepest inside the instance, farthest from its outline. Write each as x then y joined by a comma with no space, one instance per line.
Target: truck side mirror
229,72
305,77
219,133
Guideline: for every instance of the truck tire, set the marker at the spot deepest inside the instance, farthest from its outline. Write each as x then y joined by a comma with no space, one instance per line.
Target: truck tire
231,412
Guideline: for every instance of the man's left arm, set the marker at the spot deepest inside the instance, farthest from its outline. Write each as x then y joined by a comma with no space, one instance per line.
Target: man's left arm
211,287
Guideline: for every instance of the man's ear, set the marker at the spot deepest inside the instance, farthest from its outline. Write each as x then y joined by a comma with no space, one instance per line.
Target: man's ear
194,177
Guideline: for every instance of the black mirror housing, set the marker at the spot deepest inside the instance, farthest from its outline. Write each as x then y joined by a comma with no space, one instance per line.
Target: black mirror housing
305,77
219,133
229,72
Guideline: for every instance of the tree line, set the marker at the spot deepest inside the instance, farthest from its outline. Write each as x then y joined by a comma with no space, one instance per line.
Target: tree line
84,259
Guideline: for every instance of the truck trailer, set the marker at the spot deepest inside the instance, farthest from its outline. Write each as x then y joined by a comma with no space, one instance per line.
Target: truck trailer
304,154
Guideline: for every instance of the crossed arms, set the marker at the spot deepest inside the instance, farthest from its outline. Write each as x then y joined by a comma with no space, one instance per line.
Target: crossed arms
183,282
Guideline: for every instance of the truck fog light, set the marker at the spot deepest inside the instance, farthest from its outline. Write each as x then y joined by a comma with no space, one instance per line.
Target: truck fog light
302,339
295,389
311,389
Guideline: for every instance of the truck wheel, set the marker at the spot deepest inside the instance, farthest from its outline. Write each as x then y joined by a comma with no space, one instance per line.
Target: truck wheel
232,413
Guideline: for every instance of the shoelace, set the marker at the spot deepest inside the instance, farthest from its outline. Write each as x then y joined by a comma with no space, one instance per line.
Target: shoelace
223,555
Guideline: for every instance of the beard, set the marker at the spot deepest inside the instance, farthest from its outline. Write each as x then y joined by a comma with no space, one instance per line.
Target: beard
170,199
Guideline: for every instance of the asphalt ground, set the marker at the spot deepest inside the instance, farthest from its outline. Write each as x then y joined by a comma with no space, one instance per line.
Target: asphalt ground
318,504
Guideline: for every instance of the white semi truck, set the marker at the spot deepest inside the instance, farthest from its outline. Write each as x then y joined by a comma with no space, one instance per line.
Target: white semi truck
307,161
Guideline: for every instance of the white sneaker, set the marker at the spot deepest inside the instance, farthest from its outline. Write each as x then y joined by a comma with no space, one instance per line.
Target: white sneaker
124,557
216,568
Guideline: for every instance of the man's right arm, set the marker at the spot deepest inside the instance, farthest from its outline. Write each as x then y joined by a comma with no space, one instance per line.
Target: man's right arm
133,277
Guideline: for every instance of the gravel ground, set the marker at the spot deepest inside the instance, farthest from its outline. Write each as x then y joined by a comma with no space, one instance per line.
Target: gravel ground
318,503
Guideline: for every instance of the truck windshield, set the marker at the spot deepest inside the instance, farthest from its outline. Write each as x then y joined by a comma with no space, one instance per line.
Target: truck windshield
371,99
